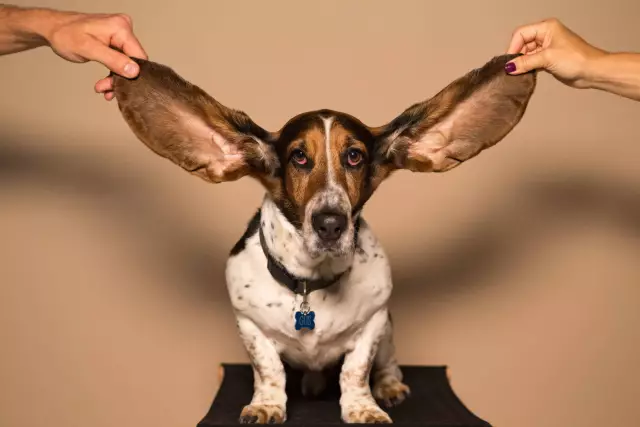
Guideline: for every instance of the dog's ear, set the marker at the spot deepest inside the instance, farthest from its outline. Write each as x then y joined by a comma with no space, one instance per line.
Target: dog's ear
471,114
181,122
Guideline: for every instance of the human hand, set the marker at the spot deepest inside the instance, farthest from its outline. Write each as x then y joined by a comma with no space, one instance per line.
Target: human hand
551,46
80,37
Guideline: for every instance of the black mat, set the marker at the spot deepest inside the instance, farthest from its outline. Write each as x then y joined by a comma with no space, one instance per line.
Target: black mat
432,403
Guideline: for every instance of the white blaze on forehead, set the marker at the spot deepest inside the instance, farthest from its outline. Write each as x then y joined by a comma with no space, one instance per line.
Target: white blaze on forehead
334,194
327,145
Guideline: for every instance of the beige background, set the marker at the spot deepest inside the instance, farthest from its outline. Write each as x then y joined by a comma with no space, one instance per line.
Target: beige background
518,270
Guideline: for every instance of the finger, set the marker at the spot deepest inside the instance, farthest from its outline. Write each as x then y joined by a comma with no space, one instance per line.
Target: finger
525,35
531,47
115,61
525,63
109,96
127,42
104,85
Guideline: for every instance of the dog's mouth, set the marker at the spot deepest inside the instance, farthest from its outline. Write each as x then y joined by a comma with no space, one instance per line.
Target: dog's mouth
334,250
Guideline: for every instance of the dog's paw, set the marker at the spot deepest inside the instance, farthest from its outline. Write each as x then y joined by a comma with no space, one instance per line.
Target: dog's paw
313,384
369,414
263,414
391,392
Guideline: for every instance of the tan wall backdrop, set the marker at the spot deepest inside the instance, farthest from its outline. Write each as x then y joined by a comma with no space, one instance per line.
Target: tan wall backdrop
518,270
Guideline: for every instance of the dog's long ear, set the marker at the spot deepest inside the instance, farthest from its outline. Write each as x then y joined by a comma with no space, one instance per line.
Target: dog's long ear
181,122
471,114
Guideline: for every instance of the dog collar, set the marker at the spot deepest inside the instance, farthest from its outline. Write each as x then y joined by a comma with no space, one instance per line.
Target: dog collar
294,283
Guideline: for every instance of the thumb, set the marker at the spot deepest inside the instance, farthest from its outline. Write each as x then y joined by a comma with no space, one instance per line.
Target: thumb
525,63
115,61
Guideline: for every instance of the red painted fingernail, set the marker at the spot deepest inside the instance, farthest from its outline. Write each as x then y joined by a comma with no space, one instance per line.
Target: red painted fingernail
510,67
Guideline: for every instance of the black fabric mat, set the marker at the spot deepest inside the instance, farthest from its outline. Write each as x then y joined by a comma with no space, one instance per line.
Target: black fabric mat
432,403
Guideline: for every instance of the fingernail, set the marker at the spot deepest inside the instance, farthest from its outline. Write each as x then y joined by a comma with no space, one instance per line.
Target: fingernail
130,69
510,67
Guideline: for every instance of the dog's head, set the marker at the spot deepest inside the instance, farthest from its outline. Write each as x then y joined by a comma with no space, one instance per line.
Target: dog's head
321,167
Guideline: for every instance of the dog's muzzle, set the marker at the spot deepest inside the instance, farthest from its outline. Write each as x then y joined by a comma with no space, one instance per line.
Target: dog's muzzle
329,225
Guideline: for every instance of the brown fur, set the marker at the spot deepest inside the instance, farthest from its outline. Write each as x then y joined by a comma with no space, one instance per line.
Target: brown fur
352,181
181,122
301,185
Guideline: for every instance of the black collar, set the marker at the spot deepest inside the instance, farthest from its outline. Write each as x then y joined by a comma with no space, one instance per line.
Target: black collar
284,277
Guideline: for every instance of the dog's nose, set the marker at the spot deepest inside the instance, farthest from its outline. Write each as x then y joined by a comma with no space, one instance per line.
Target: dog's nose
328,225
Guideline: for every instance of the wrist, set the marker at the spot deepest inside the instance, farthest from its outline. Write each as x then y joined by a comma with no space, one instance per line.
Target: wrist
594,70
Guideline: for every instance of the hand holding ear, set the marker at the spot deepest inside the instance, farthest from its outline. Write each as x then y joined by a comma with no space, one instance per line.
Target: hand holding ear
80,37
551,46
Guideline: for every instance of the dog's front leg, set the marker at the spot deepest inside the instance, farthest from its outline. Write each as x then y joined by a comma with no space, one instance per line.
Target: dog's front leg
387,376
268,405
356,401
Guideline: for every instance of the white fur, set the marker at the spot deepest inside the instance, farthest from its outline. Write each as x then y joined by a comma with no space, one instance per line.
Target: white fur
328,121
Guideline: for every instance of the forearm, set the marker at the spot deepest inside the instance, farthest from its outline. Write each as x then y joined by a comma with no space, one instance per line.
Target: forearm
24,28
618,73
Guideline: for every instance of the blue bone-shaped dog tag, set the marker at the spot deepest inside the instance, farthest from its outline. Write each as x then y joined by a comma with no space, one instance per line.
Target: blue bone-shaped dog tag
305,320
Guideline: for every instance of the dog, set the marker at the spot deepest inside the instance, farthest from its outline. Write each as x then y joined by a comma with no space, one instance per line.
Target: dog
308,280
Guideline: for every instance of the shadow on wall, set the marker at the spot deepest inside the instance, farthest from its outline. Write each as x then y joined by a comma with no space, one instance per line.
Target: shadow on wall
192,254
504,234
491,243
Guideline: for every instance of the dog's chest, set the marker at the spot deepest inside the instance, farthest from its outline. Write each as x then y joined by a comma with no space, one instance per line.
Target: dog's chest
340,310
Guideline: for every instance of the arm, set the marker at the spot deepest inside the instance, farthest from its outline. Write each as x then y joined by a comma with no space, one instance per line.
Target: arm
617,73
552,47
22,29
76,37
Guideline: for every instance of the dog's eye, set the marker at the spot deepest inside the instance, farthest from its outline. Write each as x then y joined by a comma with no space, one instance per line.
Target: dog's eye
354,157
299,157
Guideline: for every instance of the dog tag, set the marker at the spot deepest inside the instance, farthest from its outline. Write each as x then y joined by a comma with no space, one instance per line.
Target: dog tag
305,318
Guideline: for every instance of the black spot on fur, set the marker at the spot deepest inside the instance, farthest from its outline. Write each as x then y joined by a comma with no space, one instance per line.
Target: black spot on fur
247,286
363,255
252,228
